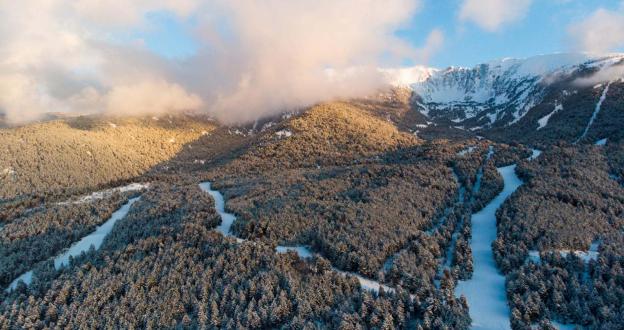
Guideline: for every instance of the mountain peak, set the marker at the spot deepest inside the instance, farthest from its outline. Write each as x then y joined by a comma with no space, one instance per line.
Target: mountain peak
503,91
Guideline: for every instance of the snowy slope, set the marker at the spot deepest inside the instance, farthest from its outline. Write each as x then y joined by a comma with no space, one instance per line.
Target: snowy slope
501,91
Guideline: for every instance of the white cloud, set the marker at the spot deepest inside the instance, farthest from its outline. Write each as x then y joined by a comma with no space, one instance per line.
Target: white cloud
255,57
151,97
601,31
433,44
606,74
492,15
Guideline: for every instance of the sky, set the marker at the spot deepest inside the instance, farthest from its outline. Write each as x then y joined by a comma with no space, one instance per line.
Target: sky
540,27
240,60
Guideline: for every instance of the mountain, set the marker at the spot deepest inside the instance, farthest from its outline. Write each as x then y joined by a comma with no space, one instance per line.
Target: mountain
372,213
502,93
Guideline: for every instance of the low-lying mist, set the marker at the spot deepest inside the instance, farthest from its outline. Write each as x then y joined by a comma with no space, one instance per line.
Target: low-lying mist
253,59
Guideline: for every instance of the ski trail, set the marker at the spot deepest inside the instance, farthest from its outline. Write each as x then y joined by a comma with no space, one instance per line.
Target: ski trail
227,219
486,290
94,239
603,97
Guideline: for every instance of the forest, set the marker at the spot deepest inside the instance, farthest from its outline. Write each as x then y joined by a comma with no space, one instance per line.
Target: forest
45,232
62,158
568,203
164,262
355,182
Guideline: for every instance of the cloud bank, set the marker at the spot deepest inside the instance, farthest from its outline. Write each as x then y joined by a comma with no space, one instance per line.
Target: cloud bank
602,31
492,15
255,58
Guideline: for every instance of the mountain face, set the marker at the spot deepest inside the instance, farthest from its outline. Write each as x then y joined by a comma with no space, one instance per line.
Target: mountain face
501,93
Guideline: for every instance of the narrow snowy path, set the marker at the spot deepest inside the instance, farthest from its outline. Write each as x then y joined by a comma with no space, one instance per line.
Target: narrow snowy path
603,97
96,238
227,219
486,290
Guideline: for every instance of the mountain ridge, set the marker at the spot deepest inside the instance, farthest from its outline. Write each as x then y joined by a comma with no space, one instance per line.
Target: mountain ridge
524,95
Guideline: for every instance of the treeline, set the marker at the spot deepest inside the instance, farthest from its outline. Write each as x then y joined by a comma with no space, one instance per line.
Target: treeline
568,124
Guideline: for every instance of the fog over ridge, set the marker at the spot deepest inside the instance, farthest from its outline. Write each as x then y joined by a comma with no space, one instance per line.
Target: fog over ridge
254,58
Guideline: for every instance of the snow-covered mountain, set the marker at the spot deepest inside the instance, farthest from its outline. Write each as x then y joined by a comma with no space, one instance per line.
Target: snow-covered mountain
502,92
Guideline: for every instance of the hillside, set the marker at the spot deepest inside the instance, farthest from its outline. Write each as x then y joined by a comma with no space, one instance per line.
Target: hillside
80,154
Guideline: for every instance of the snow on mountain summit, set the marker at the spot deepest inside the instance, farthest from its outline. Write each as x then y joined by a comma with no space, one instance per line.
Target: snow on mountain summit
502,89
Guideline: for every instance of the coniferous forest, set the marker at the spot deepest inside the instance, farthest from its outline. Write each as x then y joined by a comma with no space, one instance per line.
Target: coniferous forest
384,212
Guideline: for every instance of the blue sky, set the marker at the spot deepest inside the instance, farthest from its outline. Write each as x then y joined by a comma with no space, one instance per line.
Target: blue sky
544,29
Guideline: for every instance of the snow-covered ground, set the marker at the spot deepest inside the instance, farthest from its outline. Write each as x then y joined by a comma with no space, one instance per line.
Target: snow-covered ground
602,142
490,90
486,290
365,283
108,192
562,326
586,256
302,251
284,134
227,219
603,97
466,151
535,153
542,122
96,238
